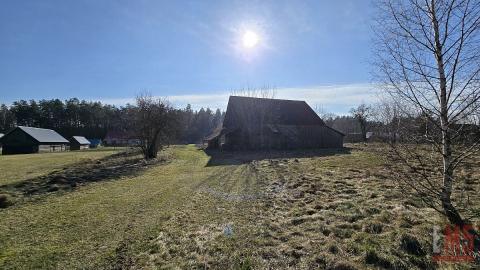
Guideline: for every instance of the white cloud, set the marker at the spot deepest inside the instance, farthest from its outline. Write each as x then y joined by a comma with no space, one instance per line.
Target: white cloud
332,98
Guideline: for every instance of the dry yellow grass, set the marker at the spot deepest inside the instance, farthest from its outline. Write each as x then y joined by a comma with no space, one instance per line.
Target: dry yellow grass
317,209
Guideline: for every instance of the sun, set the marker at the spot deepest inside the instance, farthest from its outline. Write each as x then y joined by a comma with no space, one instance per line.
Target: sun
250,39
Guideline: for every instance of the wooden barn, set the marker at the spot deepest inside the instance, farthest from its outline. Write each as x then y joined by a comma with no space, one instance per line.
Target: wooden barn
261,123
95,143
25,140
79,143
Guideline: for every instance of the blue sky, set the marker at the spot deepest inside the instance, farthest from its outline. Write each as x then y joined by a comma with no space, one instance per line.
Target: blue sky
190,51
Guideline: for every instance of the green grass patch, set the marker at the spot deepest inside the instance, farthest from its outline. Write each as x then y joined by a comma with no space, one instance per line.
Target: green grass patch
15,168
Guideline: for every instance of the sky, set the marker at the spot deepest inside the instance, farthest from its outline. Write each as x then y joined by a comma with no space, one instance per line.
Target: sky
188,51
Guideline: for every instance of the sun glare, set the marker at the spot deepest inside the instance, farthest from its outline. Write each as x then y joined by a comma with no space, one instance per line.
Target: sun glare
250,39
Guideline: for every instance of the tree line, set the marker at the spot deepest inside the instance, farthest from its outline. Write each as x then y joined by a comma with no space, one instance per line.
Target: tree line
94,119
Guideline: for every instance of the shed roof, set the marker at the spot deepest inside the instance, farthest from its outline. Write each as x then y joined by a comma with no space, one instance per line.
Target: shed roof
80,140
43,135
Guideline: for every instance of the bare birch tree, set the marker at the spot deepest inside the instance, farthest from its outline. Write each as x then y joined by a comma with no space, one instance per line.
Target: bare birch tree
428,54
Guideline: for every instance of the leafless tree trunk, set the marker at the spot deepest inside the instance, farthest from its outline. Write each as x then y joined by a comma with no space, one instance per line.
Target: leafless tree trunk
262,92
155,123
388,113
428,58
362,113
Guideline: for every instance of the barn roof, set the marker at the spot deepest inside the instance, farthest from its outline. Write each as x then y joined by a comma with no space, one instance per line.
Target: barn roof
80,140
272,111
95,141
43,135
253,112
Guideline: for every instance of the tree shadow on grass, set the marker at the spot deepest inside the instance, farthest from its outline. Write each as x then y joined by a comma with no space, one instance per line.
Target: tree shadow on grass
67,179
220,158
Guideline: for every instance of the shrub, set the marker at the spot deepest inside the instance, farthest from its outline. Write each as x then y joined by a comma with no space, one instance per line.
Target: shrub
411,245
372,211
374,228
321,261
371,257
5,201
333,249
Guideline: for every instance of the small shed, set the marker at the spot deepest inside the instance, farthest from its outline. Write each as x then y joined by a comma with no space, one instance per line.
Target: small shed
94,143
25,140
79,143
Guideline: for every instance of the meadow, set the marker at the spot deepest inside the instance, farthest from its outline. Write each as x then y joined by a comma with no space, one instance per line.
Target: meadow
332,209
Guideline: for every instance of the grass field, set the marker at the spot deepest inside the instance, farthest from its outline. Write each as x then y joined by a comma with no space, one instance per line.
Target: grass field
19,167
110,210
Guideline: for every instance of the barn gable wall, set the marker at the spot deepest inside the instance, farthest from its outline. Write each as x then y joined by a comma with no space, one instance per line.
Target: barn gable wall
19,142
260,123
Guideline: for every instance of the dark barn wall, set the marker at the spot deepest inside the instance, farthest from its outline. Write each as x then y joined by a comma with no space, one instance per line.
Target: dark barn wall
260,123
76,146
312,137
286,137
213,143
18,142
331,138
235,141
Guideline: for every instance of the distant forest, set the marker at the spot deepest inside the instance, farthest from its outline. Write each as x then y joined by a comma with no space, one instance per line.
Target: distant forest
94,119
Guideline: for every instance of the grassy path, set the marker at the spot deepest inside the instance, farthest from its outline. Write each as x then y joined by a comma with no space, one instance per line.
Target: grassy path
109,224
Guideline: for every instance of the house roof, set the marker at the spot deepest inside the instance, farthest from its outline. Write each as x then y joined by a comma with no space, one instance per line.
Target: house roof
43,135
81,140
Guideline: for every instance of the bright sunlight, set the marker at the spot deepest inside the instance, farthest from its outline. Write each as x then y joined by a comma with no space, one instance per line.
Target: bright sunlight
250,39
